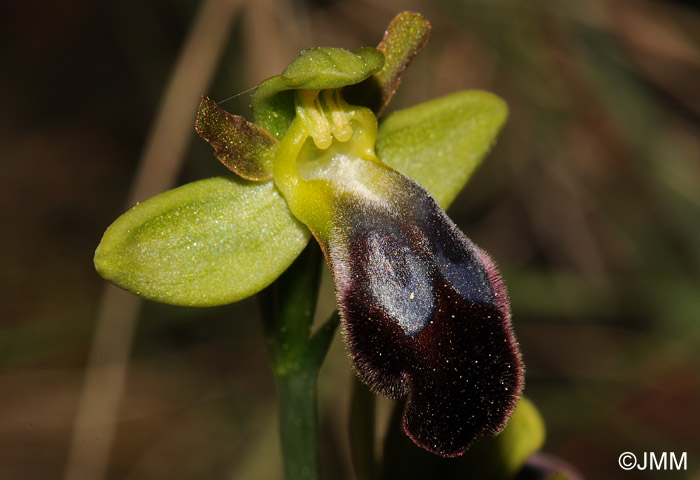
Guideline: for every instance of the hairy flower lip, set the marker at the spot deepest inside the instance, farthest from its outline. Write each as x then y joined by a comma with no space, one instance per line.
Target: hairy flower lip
516,370
424,311
460,343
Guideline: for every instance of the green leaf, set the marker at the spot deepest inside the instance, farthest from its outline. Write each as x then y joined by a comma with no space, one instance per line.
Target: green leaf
207,243
440,143
314,69
241,146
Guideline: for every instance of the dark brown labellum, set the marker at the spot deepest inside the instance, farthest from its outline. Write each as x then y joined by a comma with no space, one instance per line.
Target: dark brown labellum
426,315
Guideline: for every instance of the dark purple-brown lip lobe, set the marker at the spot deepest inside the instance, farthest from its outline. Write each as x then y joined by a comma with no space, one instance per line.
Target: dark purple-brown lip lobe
426,314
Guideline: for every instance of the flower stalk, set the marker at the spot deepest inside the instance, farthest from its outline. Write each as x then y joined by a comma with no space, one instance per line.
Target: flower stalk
296,357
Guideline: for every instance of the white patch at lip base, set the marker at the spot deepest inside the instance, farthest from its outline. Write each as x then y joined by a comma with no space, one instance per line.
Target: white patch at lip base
347,173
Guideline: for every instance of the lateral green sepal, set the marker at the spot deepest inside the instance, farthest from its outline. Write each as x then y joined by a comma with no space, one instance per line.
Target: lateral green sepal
210,242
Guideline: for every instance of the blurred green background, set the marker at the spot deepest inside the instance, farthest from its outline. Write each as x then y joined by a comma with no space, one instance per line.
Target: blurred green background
590,203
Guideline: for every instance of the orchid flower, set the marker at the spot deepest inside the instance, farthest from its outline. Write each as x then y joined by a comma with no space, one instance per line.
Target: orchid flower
424,311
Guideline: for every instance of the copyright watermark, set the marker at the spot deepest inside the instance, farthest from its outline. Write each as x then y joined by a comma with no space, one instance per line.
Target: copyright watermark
627,461
654,461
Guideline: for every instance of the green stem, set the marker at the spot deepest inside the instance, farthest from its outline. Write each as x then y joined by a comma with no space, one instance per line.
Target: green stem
288,310
297,392
361,430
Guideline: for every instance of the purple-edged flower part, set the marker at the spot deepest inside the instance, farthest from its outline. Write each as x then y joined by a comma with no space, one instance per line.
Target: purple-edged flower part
426,315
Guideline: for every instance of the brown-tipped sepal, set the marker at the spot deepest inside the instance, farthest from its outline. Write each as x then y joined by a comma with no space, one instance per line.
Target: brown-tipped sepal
243,147
426,315
403,39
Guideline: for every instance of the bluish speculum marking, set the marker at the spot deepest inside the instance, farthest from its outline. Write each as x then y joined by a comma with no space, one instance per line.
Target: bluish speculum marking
464,271
458,261
400,281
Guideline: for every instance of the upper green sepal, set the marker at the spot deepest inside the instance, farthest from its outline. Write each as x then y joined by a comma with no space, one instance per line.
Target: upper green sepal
210,242
314,69
243,147
406,35
404,38
440,143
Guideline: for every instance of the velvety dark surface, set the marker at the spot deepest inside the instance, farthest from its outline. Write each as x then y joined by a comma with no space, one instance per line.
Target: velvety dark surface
426,314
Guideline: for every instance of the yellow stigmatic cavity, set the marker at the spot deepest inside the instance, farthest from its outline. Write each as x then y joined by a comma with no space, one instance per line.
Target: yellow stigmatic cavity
326,160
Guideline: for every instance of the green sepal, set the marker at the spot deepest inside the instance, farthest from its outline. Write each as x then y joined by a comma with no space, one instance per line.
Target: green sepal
440,143
404,38
243,147
210,242
314,69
